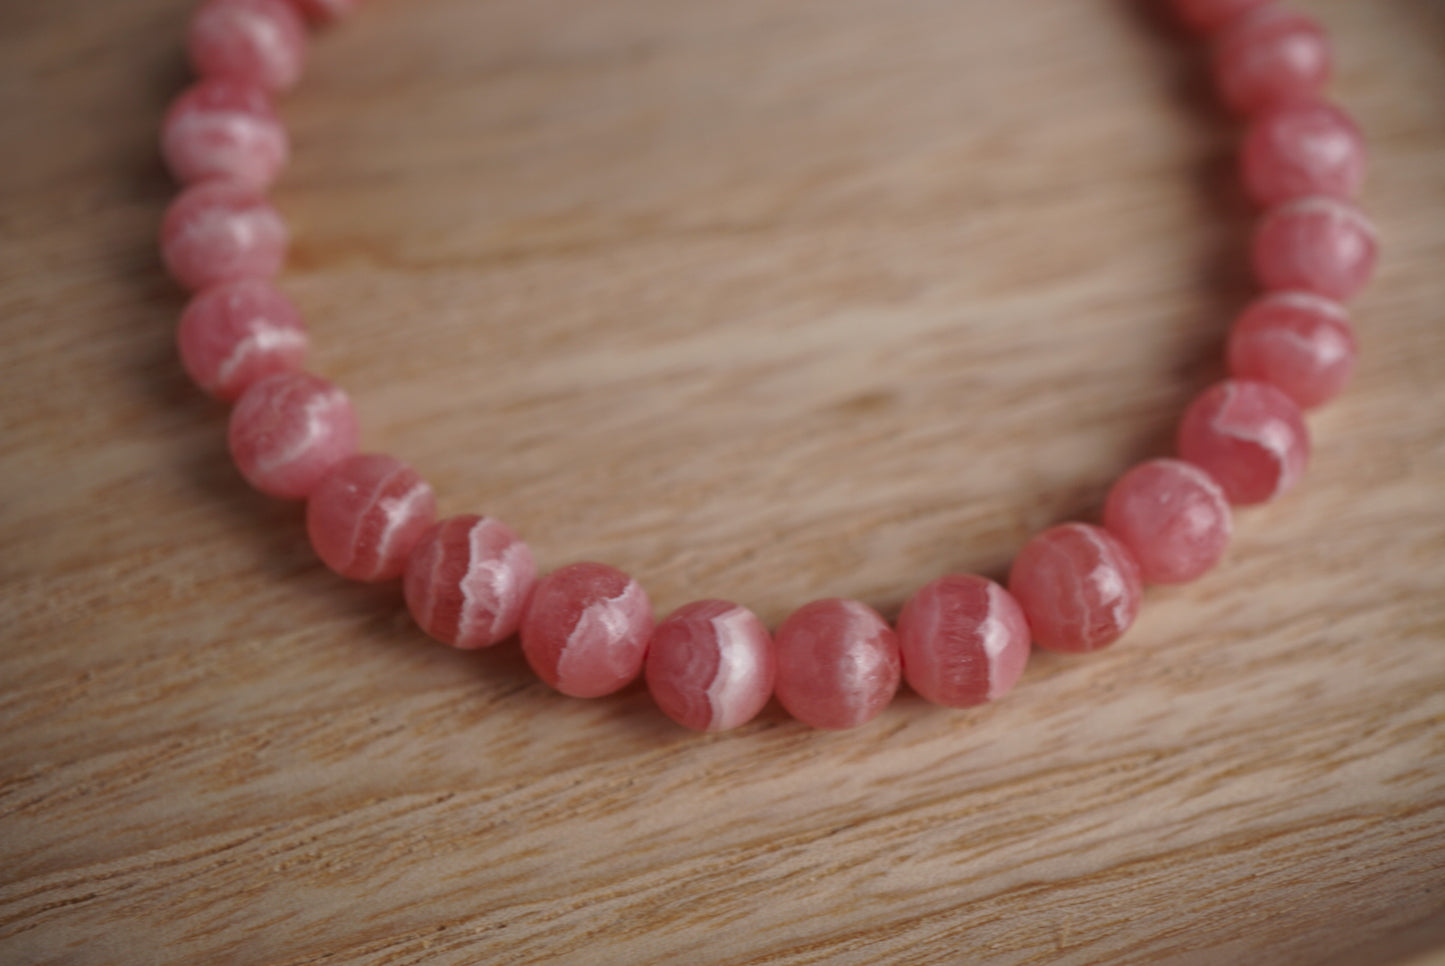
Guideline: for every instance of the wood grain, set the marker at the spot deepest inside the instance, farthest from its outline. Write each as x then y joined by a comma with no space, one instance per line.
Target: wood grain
766,299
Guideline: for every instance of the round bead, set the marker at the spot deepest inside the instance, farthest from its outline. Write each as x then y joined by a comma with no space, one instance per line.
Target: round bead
963,641
1078,586
467,581
327,11
288,430
366,515
1300,343
710,665
586,629
1248,436
260,42
1319,245
1301,150
225,129
219,232
1207,16
233,334
1173,517
1270,57
838,664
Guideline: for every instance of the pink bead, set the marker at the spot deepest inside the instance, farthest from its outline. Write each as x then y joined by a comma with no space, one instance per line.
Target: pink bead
1297,342
963,641
586,629
1249,436
838,664
1303,149
1207,16
710,665
327,11
1319,245
1271,57
367,514
1173,517
233,334
260,42
288,430
1079,587
219,232
227,130
468,580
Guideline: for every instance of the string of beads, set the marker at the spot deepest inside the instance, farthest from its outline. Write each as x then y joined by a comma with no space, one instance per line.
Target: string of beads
588,629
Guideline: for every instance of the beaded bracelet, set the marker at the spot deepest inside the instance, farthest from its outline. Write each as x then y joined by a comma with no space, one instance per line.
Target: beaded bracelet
588,629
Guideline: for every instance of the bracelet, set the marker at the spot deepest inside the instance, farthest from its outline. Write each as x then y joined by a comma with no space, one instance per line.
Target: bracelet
588,629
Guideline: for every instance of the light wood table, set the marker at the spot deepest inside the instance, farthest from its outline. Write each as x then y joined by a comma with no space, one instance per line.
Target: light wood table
761,299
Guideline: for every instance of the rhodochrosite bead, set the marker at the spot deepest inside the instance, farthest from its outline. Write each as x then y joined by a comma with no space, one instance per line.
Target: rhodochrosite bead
225,129
326,11
1173,517
963,641
1248,436
1319,245
586,629
288,430
838,664
233,334
1078,586
1301,150
222,232
710,665
1207,16
367,514
1301,344
1269,57
261,42
467,581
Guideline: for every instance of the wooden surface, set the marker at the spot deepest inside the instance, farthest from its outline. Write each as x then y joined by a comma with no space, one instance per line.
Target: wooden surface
767,299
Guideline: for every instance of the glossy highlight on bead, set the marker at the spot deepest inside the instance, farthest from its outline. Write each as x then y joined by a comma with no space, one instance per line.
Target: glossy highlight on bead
221,231
467,581
1303,150
235,333
288,430
586,629
261,42
1173,517
1269,57
225,130
1249,436
838,664
710,665
367,514
1078,586
963,641
1318,244
1298,342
